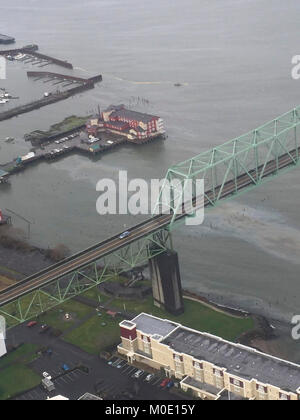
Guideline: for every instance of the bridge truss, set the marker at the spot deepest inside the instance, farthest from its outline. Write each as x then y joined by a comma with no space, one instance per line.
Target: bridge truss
246,155
82,280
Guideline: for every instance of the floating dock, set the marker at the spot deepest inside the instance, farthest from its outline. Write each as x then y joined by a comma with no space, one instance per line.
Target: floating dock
31,55
63,77
78,142
85,84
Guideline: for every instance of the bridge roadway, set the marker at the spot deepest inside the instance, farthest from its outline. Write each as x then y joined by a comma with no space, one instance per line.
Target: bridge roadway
152,225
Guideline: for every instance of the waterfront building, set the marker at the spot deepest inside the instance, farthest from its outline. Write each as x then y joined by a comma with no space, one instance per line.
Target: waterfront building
206,365
138,127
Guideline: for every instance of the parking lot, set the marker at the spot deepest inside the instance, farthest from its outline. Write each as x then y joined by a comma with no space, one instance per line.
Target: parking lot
144,379
110,379
119,382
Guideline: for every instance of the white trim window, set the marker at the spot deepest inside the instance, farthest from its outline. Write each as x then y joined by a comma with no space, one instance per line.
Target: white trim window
178,361
262,391
198,371
219,378
284,397
147,345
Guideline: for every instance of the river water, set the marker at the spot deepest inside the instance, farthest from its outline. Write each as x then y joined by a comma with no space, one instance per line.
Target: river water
233,59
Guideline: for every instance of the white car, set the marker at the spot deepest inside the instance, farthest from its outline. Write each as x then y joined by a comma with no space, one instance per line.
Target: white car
138,374
125,235
149,377
47,376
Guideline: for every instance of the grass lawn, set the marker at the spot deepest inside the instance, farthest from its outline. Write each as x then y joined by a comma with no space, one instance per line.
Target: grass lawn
94,294
205,319
67,124
23,355
6,282
92,337
196,316
16,379
55,316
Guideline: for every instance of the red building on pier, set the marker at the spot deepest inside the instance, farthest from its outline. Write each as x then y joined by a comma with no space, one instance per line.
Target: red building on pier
136,126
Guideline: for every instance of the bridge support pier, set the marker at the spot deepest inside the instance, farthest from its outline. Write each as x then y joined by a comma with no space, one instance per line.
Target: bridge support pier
166,282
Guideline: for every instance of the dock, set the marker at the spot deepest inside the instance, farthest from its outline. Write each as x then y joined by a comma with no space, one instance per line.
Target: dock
84,84
34,57
78,142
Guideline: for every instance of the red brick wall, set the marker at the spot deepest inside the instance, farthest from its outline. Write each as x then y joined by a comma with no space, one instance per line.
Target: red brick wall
129,334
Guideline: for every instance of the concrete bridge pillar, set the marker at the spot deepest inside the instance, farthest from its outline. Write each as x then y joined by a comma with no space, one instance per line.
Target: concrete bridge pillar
166,282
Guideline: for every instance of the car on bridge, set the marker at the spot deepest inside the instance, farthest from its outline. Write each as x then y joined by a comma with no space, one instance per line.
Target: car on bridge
125,235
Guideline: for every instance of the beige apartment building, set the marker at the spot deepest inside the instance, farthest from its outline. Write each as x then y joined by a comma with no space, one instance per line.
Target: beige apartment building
208,366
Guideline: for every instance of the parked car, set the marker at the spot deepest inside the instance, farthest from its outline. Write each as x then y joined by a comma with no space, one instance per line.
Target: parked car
149,377
46,375
65,368
138,374
170,384
125,235
165,383
44,329
31,324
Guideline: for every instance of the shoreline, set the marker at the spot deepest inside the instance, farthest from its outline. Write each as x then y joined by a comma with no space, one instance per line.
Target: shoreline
264,337
18,252
20,259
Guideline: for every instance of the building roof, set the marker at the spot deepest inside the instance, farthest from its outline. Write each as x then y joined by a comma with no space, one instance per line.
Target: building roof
127,324
140,130
119,111
89,397
117,123
238,360
151,325
202,386
95,147
58,398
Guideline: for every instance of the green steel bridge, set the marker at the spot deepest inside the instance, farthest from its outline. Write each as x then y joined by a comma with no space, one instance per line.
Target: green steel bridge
228,170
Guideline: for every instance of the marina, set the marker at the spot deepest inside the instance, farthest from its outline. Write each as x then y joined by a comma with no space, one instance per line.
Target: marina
77,142
52,97
29,54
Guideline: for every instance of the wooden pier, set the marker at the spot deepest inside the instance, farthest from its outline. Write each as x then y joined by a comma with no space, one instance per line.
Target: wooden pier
32,56
85,84
78,142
